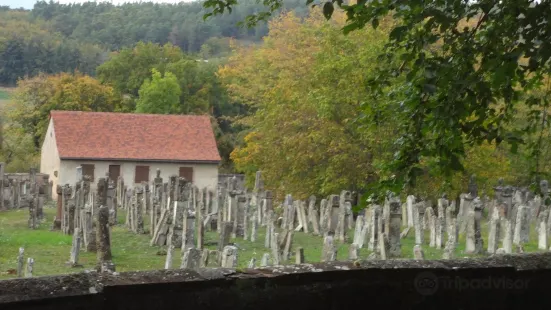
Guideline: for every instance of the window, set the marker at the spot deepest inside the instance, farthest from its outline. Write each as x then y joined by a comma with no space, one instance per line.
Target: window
187,173
89,171
142,174
114,172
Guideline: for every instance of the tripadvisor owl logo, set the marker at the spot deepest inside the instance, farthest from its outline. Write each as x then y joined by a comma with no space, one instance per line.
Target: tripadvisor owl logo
427,283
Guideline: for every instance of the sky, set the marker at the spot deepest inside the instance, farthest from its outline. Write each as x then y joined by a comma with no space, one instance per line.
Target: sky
28,4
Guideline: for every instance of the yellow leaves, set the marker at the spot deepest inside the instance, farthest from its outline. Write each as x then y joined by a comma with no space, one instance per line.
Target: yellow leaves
485,161
304,86
35,97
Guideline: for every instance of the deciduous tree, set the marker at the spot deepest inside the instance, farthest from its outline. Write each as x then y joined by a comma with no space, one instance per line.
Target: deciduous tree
160,95
35,97
467,65
302,134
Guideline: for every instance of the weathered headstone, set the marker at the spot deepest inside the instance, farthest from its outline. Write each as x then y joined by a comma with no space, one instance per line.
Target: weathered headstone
418,253
441,222
329,252
410,200
89,232
353,251
522,227
276,253
225,235
383,246
449,249
59,208
20,262
288,245
417,223
374,229
543,243
229,257
479,242
299,256
140,229
252,263
75,248
470,233
508,237
103,240
265,260
191,259
254,223
494,233
30,266
313,216
358,230
269,229
334,212
395,247
169,256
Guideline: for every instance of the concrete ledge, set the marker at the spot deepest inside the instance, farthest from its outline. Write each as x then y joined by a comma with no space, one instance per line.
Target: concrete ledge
503,281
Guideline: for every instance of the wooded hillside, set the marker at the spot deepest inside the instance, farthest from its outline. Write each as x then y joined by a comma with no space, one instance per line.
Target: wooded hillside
53,37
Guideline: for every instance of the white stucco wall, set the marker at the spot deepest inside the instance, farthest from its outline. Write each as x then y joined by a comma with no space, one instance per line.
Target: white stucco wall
49,157
204,175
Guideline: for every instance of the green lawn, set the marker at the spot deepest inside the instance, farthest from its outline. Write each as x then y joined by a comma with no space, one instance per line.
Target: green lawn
50,249
4,95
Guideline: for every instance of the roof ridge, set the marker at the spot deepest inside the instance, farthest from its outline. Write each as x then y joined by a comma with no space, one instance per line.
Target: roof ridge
126,113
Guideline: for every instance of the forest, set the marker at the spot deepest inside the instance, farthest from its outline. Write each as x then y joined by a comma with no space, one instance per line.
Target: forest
292,95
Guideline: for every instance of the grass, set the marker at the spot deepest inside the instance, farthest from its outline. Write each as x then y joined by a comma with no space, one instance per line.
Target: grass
4,96
131,252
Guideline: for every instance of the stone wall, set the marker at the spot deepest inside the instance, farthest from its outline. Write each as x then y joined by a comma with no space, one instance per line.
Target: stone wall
17,186
498,282
41,178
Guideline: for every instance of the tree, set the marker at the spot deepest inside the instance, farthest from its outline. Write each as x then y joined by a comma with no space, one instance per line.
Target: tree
160,95
467,65
128,68
29,48
118,26
18,150
300,130
35,97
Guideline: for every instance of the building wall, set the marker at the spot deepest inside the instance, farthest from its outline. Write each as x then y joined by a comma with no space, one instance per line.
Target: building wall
204,175
49,158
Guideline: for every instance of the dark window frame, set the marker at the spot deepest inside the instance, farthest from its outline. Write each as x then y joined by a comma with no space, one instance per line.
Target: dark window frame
86,171
141,174
186,172
109,171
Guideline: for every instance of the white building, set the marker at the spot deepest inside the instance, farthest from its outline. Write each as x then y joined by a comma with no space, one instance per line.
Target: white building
133,146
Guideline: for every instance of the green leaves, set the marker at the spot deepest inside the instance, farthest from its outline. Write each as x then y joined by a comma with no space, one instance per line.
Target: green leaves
398,33
466,69
219,6
429,89
328,10
160,95
375,23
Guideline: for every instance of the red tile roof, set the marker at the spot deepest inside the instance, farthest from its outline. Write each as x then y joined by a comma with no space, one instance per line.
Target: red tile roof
126,136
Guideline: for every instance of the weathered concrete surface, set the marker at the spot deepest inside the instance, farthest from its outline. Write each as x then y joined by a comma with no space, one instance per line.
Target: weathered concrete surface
336,285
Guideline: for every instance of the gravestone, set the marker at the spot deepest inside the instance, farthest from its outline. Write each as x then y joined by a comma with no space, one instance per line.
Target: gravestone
395,248
103,239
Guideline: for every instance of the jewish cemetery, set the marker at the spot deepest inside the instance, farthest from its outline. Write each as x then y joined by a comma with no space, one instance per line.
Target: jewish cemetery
279,154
